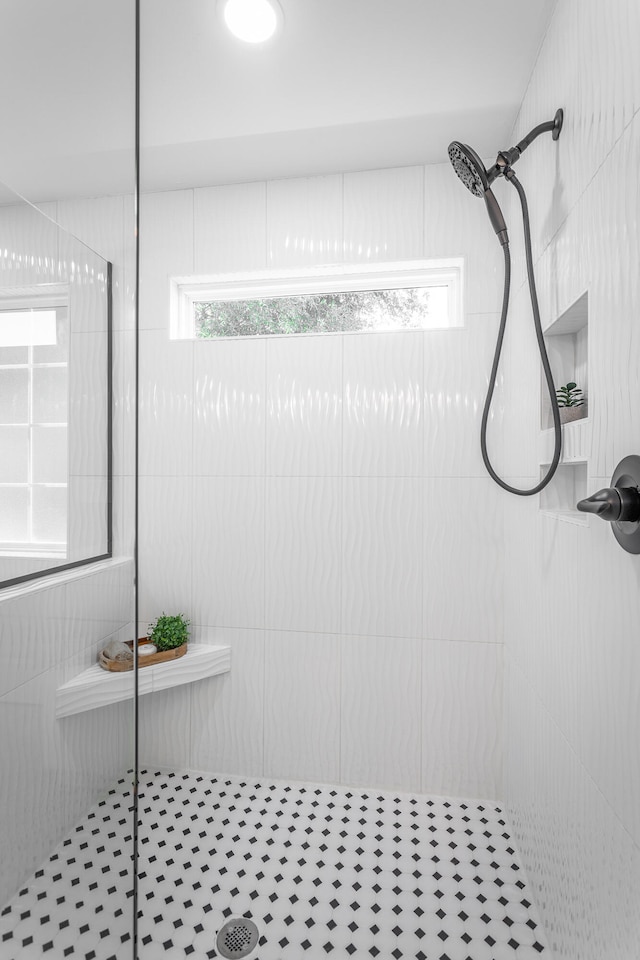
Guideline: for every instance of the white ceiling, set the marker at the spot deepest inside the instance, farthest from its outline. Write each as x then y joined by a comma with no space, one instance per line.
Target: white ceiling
348,84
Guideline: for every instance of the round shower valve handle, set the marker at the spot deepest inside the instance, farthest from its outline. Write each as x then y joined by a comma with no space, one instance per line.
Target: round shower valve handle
619,504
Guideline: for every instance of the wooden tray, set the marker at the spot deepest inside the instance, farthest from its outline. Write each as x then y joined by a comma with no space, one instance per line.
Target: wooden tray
120,666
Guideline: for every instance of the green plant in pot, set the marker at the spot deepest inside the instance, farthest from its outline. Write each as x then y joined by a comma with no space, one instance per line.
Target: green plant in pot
571,402
169,632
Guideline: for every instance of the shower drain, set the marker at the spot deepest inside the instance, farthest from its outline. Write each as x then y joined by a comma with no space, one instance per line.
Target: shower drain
238,938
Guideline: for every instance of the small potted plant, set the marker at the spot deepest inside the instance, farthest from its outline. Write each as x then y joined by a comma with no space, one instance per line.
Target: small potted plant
168,633
166,639
571,403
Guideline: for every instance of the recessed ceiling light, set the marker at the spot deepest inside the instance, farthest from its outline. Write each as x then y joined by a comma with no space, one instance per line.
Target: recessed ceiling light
253,21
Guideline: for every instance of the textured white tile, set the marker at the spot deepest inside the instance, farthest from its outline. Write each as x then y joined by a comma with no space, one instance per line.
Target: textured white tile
380,712
462,718
571,767
88,408
605,664
581,863
166,395
456,225
166,250
456,375
164,730
24,621
383,378
382,556
99,223
463,568
304,406
229,407
230,228
302,544
123,403
51,771
227,543
86,274
165,549
228,711
304,221
383,214
87,517
29,243
302,706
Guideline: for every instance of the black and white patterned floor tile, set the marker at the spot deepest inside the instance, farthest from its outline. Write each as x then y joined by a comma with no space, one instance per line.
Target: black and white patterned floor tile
325,872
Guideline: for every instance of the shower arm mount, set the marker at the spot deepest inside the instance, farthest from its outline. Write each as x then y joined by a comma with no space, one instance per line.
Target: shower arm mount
506,158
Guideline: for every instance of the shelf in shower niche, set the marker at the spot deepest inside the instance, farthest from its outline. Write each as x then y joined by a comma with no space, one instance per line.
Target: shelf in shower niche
96,687
575,442
558,500
567,343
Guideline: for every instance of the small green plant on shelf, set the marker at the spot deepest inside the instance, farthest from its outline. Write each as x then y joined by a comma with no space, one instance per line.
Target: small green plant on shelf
570,395
571,403
167,633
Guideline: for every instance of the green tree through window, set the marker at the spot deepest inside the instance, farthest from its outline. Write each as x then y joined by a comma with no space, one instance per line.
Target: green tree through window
352,311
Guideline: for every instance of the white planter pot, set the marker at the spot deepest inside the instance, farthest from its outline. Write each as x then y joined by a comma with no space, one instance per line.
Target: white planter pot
569,414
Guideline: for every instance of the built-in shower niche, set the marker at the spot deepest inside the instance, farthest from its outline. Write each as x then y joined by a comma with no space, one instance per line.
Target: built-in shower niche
567,341
559,498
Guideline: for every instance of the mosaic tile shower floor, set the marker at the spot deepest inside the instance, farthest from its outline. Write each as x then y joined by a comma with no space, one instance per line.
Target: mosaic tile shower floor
325,872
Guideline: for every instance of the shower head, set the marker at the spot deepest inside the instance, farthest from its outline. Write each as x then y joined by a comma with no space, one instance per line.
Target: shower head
469,167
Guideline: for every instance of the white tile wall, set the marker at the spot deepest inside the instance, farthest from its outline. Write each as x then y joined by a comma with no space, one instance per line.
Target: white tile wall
304,406
165,551
52,771
302,554
229,228
166,249
572,770
462,718
305,221
383,377
302,706
306,493
226,542
229,401
381,733
463,567
227,712
383,215
381,548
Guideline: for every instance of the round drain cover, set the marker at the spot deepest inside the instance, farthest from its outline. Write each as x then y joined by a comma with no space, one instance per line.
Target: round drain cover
238,938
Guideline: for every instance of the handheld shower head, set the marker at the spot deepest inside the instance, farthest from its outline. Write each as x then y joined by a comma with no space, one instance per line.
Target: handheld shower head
477,179
470,168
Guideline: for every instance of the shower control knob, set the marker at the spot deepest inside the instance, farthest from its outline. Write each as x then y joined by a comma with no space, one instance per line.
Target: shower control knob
613,503
620,504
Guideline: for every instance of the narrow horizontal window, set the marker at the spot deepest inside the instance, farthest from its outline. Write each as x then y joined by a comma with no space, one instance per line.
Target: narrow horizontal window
388,297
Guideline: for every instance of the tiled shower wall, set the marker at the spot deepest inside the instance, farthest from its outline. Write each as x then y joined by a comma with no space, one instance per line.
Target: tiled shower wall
320,503
572,771
53,770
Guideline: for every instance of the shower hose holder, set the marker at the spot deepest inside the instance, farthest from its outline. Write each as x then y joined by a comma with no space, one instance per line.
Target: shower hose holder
619,504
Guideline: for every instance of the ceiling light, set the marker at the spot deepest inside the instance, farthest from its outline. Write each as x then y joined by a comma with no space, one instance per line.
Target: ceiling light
253,21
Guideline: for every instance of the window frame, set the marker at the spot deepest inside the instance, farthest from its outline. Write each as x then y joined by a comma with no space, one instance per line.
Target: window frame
336,278
56,298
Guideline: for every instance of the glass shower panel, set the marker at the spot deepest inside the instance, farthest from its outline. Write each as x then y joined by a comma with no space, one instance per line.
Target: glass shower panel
67,442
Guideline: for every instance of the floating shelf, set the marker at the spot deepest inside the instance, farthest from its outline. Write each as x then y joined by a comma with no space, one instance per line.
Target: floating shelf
96,687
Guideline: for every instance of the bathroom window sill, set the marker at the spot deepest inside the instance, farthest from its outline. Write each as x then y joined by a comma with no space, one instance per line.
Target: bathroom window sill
96,687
